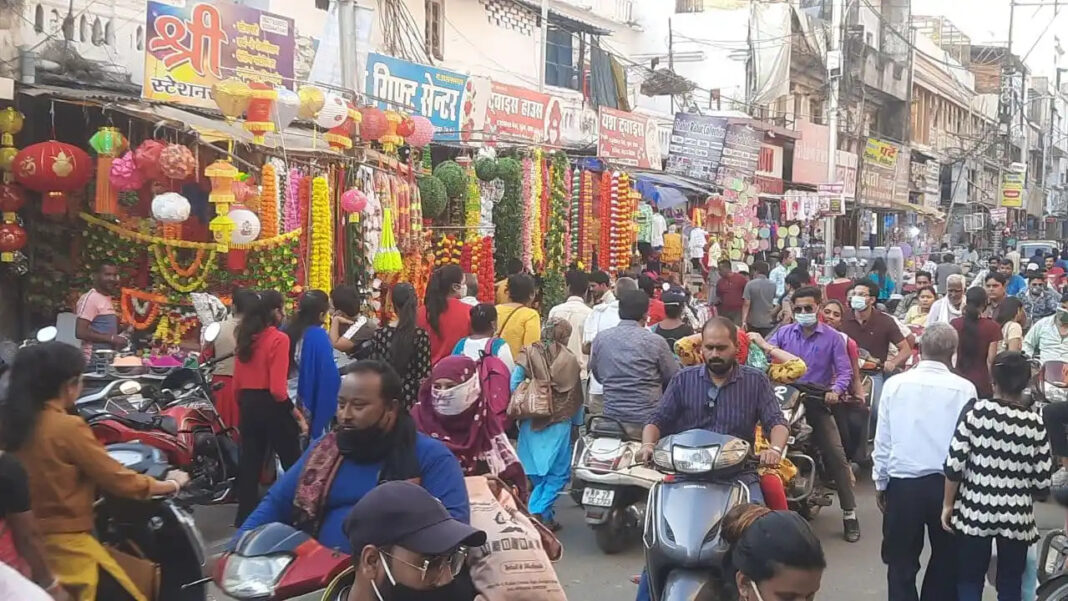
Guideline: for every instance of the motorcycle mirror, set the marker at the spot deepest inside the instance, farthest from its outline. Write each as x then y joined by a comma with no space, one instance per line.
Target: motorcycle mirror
47,334
130,387
211,331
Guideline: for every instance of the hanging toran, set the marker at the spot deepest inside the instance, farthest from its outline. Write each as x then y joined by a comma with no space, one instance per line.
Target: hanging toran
604,222
321,238
622,215
268,209
528,191
586,221
575,232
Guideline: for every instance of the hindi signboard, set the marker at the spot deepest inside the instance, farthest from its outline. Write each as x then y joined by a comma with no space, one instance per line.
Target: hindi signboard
1012,186
878,152
453,102
516,114
696,145
741,152
191,47
628,138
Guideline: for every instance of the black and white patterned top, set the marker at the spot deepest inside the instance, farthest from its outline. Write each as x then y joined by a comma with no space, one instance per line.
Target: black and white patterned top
1001,456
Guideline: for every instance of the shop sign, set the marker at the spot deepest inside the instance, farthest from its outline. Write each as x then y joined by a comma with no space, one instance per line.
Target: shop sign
811,156
831,200
453,102
999,215
878,152
1012,186
628,139
192,46
932,191
768,176
741,152
516,114
846,172
696,145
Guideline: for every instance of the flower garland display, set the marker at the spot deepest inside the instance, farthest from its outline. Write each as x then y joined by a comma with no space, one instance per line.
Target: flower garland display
534,224
304,207
448,250
291,208
574,213
472,208
388,258
321,237
185,272
507,214
174,325
553,292
621,220
604,222
419,265
140,309
528,214
137,236
268,210
585,221
162,268
484,271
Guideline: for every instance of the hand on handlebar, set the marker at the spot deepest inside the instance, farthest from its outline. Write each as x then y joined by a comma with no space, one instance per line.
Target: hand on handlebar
831,398
770,458
178,477
645,454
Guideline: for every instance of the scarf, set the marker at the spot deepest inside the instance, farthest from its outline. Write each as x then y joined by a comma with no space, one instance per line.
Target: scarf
399,462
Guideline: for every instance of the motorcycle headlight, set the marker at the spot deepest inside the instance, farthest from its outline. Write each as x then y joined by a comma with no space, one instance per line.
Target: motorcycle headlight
732,453
253,577
694,460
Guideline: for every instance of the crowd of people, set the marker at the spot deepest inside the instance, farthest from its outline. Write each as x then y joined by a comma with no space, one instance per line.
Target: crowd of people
348,403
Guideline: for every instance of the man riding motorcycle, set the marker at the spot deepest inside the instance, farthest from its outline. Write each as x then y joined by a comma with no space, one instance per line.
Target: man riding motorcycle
1046,341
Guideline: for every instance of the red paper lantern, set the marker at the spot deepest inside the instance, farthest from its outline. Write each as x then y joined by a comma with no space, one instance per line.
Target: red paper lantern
146,157
406,127
258,119
374,124
12,197
52,168
12,239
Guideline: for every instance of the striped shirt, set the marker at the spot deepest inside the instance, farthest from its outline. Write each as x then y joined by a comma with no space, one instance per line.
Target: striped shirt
744,400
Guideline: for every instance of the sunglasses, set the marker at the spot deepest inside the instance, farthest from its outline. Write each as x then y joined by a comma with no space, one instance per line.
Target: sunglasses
435,566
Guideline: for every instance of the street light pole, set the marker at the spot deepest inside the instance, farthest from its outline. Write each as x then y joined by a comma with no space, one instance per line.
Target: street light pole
834,74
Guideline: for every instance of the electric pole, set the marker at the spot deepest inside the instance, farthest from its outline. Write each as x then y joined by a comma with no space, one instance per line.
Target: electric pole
834,75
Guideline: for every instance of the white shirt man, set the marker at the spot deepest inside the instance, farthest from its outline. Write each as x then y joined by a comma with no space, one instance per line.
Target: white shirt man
575,311
918,415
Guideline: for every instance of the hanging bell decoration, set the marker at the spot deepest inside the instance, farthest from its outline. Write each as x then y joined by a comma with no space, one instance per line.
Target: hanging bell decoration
232,96
109,143
222,175
258,118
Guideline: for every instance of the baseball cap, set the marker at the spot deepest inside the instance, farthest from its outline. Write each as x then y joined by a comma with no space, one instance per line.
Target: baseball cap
405,514
675,296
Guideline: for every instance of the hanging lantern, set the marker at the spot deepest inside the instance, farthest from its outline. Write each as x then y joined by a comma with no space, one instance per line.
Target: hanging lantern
353,200
374,124
177,162
285,108
232,97
12,240
246,225
222,176
391,140
406,127
170,207
52,168
10,124
422,132
340,137
108,142
333,113
222,227
258,118
12,197
146,157
124,175
311,101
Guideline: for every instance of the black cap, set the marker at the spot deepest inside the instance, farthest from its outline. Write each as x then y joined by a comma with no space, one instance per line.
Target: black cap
405,514
675,296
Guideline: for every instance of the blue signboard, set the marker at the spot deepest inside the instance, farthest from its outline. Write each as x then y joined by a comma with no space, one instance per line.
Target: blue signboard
445,97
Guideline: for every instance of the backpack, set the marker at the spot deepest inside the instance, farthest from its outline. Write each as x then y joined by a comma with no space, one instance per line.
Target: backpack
496,382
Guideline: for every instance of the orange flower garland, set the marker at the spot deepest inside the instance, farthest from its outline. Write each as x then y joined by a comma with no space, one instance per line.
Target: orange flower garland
193,267
132,316
268,210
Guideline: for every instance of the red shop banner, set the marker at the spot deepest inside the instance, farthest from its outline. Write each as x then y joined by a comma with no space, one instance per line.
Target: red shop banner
628,139
516,114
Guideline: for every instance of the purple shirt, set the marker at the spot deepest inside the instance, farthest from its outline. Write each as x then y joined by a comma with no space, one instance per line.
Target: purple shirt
745,399
824,353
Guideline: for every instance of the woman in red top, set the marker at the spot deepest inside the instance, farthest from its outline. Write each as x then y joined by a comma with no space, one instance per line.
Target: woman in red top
445,318
260,382
657,312
979,337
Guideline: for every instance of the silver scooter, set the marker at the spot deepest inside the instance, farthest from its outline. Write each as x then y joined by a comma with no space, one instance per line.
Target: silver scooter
684,548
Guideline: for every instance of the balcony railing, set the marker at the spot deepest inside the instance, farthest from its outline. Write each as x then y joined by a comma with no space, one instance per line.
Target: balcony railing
620,11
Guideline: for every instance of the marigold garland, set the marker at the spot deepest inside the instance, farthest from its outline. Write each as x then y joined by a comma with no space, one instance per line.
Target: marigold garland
555,262
268,210
585,221
132,315
173,280
621,217
193,266
321,237
485,272
472,207
537,256
129,234
527,201
604,223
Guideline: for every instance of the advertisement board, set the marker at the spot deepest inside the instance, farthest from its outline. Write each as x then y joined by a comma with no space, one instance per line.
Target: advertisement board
628,139
516,114
696,145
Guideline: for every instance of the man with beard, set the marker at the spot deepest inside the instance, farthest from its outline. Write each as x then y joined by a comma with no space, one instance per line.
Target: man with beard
98,324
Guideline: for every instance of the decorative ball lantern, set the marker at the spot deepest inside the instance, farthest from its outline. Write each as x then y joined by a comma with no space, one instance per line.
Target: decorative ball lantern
12,240
353,200
232,97
334,112
124,175
11,121
246,225
285,108
12,198
222,175
258,119
177,162
109,143
311,100
52,168
374,124
422,132
170,207
391,139
146,157
406,127
340,138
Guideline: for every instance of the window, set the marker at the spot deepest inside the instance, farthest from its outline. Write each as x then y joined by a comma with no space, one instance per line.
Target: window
38,19
140,37
83,30
560,59
689,6
435,28
98,32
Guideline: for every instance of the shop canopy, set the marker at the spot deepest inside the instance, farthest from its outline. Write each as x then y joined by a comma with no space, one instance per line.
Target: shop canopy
665,190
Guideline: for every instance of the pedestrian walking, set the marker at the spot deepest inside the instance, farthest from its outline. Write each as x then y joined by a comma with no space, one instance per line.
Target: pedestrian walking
444,317
979,337
404,345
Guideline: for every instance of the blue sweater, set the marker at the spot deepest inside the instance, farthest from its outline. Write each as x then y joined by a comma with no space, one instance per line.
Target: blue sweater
441,477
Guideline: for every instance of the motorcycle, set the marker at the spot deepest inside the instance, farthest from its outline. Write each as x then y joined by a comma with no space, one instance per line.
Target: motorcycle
158,530
276,561
1050,383
805,493
614,487
1053,559
684,546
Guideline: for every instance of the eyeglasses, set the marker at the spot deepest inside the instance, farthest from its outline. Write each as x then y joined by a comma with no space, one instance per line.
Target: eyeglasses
437,565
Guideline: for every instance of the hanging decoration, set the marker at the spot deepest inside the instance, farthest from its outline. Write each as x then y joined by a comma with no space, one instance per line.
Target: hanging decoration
268,209
453,176
528,213
388,258
11,121
621,222
246,225
52,168
448,250
507,214
146,157
353,200
140,309
374,124
311,101
333,113
486,169
392,138
291,208
124,175
321,237
222,175
232,96
285,108
170,207
553,288
484,271
537,256
12,198
258,119
472,210
433,195
422,132
340,137
165,266
12,239
177,162
578,180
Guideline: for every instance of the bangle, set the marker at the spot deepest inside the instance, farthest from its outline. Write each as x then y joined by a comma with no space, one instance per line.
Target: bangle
177,487
53,586
777,449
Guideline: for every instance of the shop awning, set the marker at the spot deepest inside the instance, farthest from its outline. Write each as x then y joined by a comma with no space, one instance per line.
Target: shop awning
666,190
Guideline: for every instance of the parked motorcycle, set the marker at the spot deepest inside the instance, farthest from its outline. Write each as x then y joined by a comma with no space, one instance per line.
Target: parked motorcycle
614,487
158,530
276,561
684,546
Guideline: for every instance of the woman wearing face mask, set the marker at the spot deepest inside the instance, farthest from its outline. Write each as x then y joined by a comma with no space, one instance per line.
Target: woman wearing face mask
444,316
773,555
375,440
453,409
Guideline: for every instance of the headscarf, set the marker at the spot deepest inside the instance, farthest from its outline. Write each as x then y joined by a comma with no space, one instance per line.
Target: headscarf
471,432
550,360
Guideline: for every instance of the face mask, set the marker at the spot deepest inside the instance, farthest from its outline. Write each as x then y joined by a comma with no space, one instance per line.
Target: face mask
805,319
364,445
1036,290
457,399
858,303
719,367
399,592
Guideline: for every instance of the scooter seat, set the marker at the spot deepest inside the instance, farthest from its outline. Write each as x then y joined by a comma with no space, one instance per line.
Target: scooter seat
603,428
149,421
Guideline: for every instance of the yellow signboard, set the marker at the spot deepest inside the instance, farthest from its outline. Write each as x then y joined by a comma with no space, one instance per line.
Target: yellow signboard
1012,185
881,153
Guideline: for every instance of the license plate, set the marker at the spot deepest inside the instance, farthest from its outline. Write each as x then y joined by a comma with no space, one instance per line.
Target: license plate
598,497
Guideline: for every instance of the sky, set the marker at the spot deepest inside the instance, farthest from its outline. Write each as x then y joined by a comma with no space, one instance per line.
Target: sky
986,21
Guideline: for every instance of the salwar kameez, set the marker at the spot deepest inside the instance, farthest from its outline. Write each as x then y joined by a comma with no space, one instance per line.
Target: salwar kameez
546,458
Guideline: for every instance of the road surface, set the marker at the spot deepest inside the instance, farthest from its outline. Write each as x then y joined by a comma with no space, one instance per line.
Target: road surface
855,572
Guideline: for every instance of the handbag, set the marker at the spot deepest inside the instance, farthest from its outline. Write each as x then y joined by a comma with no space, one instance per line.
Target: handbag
532,398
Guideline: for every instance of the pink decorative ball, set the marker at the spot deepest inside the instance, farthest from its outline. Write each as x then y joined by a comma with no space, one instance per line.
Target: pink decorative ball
353,200
124,173
146,157
176,162
374,124
423,132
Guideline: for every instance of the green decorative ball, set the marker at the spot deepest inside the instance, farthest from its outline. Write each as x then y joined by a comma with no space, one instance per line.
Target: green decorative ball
486,169
432,195
509,170
452,175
